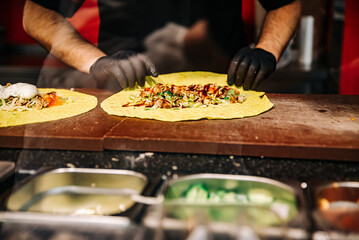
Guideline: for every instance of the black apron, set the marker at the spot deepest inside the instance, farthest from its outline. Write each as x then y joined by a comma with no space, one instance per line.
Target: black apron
126,24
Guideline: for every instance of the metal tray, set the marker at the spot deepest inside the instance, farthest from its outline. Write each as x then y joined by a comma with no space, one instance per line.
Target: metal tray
176,214
78,191
335,208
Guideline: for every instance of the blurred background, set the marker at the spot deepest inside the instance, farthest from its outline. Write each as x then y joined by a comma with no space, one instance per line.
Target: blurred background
321,57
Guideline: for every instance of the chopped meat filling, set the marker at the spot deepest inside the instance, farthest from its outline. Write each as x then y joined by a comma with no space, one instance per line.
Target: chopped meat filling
172,96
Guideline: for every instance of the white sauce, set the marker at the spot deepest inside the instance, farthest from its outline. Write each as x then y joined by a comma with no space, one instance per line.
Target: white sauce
23,90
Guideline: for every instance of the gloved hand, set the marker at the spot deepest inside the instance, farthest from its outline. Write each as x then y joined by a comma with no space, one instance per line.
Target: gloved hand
250,66
122,70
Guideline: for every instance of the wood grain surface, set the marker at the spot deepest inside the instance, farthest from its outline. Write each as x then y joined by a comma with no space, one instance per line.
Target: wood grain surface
82,132
299,126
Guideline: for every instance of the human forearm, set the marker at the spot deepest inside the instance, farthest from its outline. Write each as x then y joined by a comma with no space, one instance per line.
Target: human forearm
59,37
250,67
279,27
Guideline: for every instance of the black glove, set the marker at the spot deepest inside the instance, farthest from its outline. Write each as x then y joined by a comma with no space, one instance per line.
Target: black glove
250,66
122,70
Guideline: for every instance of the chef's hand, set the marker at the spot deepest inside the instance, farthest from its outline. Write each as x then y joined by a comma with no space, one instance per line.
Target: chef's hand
250,66
122,70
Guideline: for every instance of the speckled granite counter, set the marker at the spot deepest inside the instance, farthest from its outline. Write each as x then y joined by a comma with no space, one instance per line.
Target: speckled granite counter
173,165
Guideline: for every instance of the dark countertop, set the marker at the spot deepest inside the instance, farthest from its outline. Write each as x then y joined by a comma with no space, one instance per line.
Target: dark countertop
174,165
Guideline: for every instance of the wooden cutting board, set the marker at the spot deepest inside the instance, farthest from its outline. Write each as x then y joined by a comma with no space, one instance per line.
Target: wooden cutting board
82,132
299,126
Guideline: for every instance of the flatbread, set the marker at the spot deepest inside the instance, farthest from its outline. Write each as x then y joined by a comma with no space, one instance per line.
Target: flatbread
255,103
78,103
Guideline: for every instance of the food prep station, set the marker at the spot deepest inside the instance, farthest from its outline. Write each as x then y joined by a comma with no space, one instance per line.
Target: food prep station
289,173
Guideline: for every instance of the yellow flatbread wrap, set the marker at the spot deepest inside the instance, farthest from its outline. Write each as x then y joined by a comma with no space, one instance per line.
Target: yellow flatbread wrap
255,103
76,103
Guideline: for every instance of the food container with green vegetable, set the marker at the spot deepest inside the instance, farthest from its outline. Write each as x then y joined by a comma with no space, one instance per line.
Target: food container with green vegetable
232,200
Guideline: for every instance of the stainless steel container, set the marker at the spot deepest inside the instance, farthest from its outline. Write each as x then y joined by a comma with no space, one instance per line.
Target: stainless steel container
335,209
78,191
281,215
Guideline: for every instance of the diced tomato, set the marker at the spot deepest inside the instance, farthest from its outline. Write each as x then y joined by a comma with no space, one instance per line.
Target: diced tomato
212,89
56,102
52,99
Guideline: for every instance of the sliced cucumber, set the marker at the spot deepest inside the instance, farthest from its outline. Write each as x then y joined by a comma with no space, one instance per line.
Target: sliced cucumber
260,196
197,193
216,197
230,197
